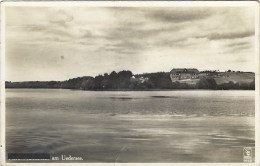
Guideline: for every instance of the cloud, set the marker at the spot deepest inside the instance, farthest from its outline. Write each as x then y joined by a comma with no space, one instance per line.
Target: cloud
32,27
239,44
96,40
227,35
239,48
178,15
61,18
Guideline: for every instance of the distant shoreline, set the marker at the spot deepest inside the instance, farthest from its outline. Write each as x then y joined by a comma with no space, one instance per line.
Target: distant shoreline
122,90
161,81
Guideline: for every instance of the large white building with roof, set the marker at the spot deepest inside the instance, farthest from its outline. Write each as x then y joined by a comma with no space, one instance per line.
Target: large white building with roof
184,74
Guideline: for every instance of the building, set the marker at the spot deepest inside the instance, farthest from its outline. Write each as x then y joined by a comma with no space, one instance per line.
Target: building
184,74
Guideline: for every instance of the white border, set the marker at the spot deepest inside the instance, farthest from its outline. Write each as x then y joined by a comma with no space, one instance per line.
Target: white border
2,83
134,4
257,85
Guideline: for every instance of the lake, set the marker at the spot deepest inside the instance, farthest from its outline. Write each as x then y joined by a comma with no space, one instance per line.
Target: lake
131,126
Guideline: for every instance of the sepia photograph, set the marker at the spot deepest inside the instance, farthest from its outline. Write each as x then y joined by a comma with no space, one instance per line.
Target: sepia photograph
129,82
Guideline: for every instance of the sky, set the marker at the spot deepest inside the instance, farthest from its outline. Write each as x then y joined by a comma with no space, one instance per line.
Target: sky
58,43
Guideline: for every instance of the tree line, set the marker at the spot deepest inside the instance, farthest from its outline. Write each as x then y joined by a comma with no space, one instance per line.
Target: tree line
125,80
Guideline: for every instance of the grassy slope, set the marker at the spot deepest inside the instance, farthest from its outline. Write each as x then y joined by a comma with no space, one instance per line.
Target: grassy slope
235,77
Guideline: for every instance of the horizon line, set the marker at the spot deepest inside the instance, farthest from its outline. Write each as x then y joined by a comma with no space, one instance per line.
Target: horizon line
128,70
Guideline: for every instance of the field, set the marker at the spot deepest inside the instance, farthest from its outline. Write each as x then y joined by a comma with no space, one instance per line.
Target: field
236,77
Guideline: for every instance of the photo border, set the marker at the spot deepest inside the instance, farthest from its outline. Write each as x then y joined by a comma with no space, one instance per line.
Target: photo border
133,4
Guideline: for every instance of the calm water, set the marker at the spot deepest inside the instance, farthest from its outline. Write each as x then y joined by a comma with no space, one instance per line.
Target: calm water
151,126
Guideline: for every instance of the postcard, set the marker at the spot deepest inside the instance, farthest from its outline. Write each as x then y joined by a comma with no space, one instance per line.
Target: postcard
130,83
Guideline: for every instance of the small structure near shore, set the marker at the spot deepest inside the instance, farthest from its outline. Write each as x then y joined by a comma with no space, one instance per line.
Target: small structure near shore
187,75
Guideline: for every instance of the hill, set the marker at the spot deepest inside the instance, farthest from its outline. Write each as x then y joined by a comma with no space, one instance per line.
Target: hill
125,80
236,77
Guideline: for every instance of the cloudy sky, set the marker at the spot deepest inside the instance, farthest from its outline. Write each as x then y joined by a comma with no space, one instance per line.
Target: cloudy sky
52,43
